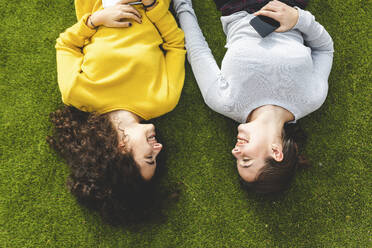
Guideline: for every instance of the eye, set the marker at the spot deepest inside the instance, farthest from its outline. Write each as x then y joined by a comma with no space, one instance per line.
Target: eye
245,166
151,163
246,162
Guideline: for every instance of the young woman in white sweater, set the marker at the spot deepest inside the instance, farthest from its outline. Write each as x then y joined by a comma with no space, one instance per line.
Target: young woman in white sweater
263,83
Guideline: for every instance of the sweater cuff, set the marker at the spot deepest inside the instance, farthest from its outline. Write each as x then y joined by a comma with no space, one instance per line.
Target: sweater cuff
158,12
83,29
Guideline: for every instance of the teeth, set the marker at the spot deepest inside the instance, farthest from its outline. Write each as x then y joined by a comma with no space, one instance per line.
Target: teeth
151,137
242,141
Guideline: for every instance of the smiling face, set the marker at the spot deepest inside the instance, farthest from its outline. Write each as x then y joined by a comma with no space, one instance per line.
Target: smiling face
140,140
250,150
255,143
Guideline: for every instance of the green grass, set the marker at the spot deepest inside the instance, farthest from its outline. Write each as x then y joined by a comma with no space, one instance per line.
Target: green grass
328,205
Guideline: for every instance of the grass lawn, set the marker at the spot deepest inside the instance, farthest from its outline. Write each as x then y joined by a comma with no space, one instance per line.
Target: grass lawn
328,205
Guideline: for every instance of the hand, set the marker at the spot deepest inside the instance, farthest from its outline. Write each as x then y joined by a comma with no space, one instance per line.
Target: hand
116,16
286,15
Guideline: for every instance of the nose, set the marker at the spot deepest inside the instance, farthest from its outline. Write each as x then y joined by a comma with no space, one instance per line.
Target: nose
240,127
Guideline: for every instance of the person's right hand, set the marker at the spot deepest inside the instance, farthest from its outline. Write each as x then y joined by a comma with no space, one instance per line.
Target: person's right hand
281,12
116,16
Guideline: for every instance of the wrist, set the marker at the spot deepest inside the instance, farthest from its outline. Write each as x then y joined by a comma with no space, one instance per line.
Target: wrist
295,15
297,24
89,23
94,20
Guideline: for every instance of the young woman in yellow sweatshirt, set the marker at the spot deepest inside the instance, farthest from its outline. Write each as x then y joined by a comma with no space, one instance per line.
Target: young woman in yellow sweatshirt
117,66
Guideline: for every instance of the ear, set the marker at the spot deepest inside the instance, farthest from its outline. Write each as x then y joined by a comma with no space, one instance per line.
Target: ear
277,152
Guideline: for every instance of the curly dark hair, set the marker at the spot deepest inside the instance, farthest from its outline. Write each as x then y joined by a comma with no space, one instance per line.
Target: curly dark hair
276,176
101,176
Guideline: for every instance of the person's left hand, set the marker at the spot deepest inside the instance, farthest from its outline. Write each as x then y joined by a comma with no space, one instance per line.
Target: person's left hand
281,12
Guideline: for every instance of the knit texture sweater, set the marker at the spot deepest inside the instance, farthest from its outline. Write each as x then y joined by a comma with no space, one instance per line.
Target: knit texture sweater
287,69
139,69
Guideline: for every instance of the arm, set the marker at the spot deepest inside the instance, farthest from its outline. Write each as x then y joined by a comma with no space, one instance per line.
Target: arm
70,43
69,55
315,35
320,42
83,7
173,45
204,66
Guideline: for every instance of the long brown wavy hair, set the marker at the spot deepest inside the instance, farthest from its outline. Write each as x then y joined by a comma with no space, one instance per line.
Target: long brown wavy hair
276,176
102,177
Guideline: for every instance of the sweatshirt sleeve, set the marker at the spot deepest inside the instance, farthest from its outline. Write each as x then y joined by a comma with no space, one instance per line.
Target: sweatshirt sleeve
320,42
204,66
173,45
70,57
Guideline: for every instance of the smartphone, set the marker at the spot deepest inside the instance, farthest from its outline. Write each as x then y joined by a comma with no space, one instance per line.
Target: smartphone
264,25
135,3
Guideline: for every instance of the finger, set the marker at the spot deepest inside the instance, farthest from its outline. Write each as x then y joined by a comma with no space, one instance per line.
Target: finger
278,3
131,9
122,24
280,6
130,16
270,14
271,7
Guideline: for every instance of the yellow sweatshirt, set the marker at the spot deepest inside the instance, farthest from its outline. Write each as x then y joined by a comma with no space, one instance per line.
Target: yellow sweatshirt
122,68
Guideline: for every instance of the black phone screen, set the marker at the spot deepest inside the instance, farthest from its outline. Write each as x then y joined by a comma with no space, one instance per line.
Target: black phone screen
264,25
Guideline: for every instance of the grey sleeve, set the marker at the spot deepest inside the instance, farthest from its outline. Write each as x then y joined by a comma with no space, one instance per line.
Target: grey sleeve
204,66
320,42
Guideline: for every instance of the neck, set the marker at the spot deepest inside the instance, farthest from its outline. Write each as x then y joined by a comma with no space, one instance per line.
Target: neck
271,113
271,116
124,117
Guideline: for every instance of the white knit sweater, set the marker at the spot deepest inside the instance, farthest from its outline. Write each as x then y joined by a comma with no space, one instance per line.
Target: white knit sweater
288,69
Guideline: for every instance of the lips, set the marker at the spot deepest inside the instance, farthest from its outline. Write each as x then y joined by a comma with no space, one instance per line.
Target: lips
241,141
